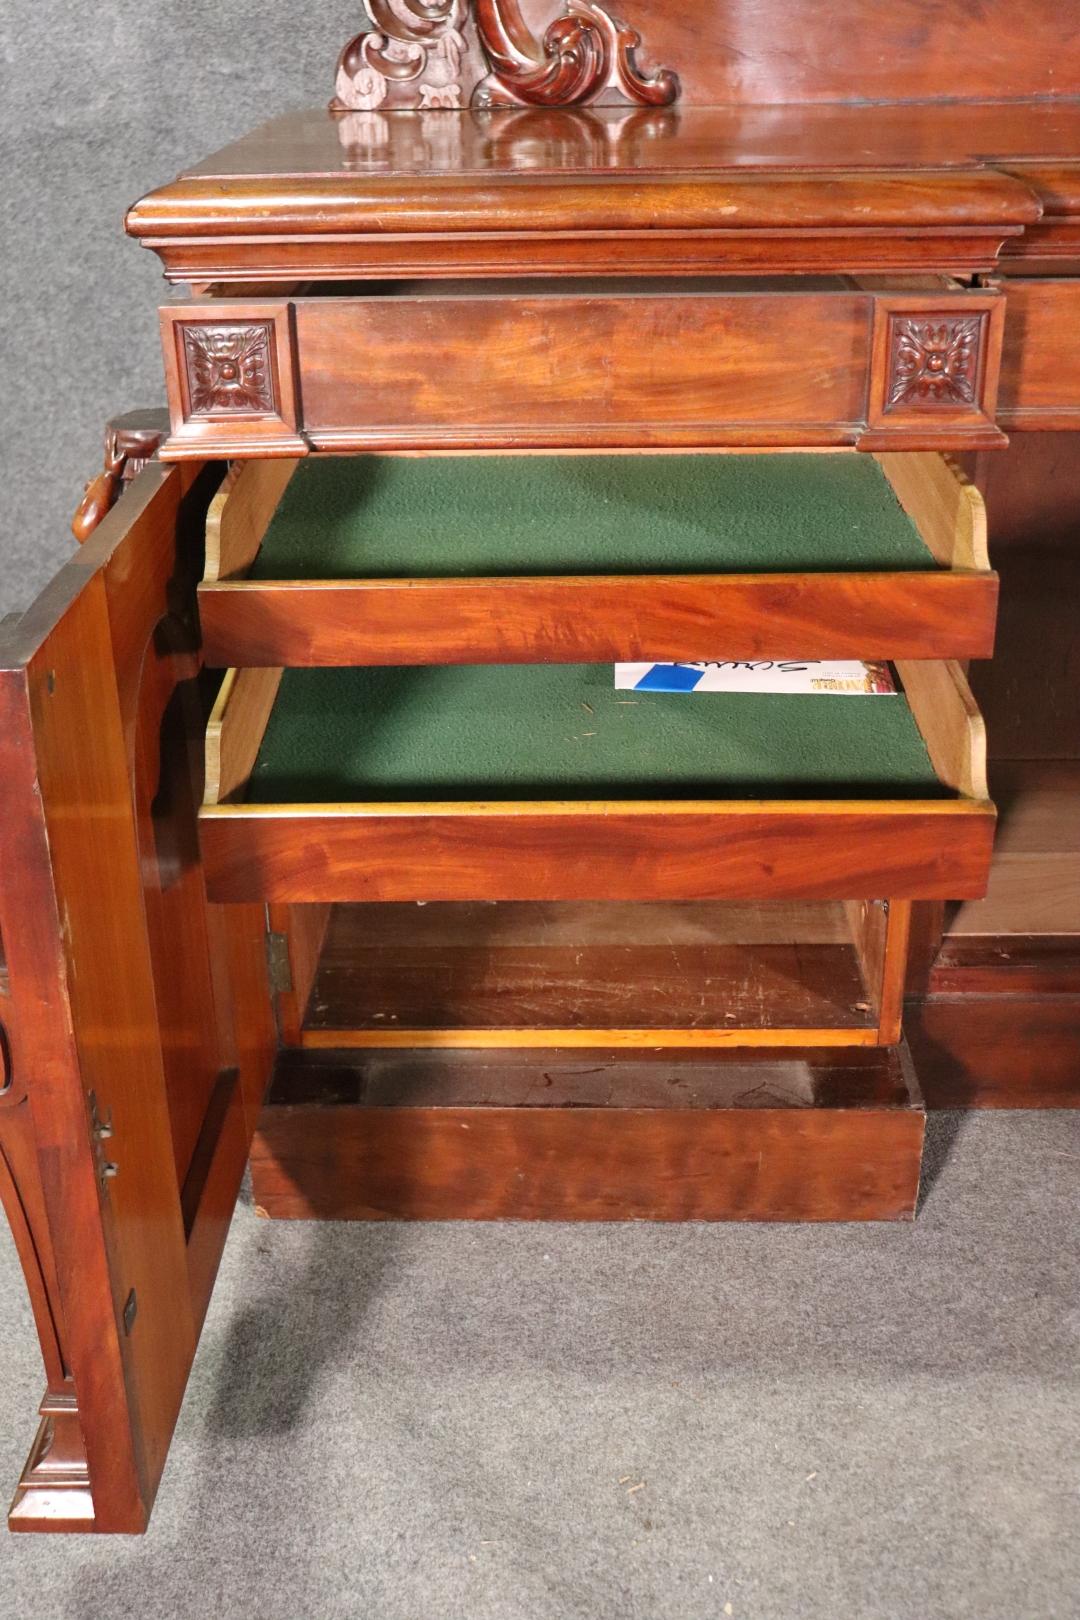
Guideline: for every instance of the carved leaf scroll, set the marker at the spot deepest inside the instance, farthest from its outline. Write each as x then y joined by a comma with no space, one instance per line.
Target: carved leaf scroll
412,56
419,54
583,53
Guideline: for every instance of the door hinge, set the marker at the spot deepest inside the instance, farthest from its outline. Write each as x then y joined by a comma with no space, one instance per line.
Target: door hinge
102,1129
278,965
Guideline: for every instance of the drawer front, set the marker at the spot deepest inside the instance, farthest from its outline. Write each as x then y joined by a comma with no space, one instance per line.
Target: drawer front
734,851
1040,365
585,369
602,621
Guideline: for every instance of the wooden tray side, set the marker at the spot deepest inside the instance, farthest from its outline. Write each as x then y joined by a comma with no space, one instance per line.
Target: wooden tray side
598,619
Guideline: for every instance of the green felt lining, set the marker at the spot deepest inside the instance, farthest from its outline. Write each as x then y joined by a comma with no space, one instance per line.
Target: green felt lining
390,516
554,731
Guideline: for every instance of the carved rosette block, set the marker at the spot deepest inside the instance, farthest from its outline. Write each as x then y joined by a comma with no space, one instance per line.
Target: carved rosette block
935,368
419,54
230,382
934,359
228,369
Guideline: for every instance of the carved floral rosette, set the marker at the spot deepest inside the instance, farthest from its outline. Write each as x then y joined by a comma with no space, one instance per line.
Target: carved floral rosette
935,360
420,54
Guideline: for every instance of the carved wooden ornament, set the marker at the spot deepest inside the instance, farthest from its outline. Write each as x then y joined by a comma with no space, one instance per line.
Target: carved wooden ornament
130,441
419,54
934,359
230,378
229,369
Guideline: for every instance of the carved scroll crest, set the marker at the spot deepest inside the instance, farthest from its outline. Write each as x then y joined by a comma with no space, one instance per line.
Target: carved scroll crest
583,53
411,56
420,54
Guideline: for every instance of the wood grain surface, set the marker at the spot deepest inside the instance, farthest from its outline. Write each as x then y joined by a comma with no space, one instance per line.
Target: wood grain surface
140,1093
733,851
469,1136
598,619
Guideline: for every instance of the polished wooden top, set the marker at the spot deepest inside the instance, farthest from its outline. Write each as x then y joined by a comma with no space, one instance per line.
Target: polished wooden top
597,141
961,181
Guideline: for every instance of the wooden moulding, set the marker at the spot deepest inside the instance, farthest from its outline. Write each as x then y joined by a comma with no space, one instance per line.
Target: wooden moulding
527,1136
498,216
949,611
606,850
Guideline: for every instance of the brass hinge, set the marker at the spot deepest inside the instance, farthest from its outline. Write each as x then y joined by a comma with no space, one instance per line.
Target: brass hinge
278,965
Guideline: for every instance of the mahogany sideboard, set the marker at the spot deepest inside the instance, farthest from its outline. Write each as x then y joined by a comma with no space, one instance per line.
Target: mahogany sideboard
528,256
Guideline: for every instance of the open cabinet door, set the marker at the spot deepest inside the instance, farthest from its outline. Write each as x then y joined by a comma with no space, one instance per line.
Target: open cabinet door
137,1023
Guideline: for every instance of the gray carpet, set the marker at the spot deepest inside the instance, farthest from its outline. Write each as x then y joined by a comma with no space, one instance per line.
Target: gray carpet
99,104
619,1423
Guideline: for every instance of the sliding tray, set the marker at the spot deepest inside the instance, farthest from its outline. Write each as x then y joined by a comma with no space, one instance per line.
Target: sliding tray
387,560
541,782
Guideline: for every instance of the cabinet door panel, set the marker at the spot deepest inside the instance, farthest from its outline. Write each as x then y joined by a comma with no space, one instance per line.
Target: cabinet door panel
119,1028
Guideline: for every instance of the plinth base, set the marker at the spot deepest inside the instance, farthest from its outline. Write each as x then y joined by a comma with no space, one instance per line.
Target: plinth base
812,1135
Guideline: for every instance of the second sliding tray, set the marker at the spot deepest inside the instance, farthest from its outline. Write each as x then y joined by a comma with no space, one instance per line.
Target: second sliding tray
380,559
542,782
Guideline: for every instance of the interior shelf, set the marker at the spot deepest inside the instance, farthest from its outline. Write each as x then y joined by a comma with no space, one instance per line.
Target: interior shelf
379,517
1034,885
494,974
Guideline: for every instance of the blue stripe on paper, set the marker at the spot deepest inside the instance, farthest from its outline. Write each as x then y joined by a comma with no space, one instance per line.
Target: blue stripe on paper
670,678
